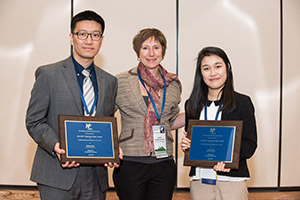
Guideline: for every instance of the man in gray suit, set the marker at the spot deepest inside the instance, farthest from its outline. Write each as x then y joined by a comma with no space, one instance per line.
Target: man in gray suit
57,91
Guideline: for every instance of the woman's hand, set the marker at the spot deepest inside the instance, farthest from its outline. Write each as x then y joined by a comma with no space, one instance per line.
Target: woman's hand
185,142
121,153
220,167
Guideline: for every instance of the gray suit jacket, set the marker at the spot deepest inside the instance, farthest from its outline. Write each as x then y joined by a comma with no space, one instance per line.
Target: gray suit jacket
56,92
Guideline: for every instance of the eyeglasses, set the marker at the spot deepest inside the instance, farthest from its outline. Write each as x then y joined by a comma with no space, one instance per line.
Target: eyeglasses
82,35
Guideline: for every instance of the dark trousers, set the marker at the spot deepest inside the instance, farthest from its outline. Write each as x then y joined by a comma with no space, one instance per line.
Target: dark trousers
85,187
139,181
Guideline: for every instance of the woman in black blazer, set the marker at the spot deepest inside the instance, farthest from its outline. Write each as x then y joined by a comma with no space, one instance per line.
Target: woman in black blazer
213,91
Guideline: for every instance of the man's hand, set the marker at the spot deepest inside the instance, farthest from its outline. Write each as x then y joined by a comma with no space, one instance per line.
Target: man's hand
115,164
60,151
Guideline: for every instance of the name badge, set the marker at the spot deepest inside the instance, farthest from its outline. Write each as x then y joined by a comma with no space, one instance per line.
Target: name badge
208,176
159,140
208,181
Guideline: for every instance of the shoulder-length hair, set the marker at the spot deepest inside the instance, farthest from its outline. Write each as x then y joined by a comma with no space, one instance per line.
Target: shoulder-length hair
199,93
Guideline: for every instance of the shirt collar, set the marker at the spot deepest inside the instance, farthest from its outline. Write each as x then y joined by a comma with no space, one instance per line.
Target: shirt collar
79,67
217,103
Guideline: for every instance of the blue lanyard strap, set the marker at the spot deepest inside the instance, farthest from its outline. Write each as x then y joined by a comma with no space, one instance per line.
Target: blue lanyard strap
84,103
158,117
217,114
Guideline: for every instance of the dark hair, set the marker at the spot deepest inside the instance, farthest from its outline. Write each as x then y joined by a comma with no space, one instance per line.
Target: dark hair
144,35
87,15
199,93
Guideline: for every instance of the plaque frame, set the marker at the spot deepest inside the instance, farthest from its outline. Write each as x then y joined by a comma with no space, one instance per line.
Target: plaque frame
88,160
216,123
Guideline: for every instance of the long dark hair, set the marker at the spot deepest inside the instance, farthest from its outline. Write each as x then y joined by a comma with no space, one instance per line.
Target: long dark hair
199,93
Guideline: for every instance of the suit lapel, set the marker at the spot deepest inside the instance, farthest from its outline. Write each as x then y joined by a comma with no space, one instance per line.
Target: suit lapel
71,79
135,88
101,90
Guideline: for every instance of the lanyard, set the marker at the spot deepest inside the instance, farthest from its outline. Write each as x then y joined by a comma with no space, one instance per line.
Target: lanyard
217,114
84,103
152,101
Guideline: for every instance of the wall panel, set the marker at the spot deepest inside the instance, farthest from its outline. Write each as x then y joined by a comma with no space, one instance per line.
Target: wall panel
30,37
291,97
123,20
249,33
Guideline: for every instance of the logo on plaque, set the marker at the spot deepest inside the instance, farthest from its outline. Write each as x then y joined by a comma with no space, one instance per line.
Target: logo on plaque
88,126
212,130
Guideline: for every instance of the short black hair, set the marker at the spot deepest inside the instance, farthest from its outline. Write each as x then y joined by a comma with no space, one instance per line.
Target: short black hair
87,15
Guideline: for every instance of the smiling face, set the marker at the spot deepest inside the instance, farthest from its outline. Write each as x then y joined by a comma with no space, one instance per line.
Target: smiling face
151,54
214,74
84,51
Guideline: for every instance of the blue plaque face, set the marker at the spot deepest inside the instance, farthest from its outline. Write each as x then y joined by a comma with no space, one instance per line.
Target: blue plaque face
211,143
89,139
214,141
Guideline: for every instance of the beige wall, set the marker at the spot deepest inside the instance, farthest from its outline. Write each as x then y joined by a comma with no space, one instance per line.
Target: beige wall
32,34
249,31
291,95
123,21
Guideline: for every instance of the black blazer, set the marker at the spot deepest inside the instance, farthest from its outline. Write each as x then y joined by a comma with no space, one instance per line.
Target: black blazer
244,111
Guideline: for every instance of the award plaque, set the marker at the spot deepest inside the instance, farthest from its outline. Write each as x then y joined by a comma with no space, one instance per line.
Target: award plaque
213,142
88,140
